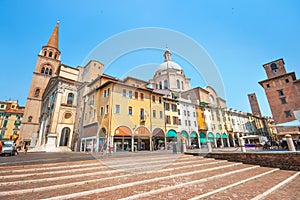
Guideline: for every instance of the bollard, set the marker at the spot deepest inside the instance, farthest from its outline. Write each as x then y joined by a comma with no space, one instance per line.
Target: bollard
290,142
209,146
242,143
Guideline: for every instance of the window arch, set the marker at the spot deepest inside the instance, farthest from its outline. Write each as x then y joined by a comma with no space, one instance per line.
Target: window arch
45,53
70,99
43,70
165,84
65,135
50,54
274,66
46,71
30,119
37,92
160,85
182,86
55,56
178,84
50,71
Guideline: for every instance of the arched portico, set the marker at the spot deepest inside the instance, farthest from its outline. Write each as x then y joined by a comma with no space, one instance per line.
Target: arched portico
122,138
158,137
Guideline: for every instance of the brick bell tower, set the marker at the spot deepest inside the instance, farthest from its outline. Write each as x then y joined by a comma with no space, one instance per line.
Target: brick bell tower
46,66
282,90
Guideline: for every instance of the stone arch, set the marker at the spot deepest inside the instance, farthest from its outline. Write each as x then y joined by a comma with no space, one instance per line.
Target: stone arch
123,131
64,136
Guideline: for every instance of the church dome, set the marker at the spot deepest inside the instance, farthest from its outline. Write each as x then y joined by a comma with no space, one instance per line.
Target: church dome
168,65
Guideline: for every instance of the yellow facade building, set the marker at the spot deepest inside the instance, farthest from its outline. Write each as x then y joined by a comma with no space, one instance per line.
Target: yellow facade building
10,119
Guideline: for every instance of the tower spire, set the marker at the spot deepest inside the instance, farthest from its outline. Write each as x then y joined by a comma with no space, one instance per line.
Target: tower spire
53,40
167,54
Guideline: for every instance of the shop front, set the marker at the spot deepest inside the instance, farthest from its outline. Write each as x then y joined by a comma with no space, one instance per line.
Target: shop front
224,138
122,139
171,138
194,140
142,139
211,138
202,138
158,137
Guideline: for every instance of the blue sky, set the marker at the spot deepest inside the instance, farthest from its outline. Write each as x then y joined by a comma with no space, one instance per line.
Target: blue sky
239,36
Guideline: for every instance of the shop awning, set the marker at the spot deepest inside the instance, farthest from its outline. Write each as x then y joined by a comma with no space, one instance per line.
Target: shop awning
224,135
218,135
211,137
184,134
171,134
194,135
202,137
158,133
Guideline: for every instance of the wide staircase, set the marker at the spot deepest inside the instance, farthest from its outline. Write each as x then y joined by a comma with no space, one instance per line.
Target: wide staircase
148,177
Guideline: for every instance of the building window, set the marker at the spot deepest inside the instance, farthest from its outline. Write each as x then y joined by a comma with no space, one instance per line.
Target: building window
70,99
136,95
165,84
194,114
168,119
142,114
68,115
153,99
174,107
175,120
108,92
45,53
124,93
5,123
43,70
274,67
159,100
280,92
154,113
142,96
167,106
283,100
179,121
117,109
160,114
288,113
2,106
195,123
130,94
104,94
182,85
188,113
50,54
184,112
106,110
178,84
287,80
185,122
101,111
37,92
50,71
129,110
189,123
30,119
160,85
268,85
178,112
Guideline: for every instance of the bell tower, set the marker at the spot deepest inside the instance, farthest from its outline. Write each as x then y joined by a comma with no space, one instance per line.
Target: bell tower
46,66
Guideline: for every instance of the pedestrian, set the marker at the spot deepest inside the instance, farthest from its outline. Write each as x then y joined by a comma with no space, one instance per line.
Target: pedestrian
0,147
26,148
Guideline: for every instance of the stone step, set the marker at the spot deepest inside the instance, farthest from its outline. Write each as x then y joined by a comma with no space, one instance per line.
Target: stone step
95,176
111,181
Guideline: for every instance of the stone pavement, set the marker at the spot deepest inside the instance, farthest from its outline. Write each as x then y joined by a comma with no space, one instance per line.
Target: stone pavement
146,175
